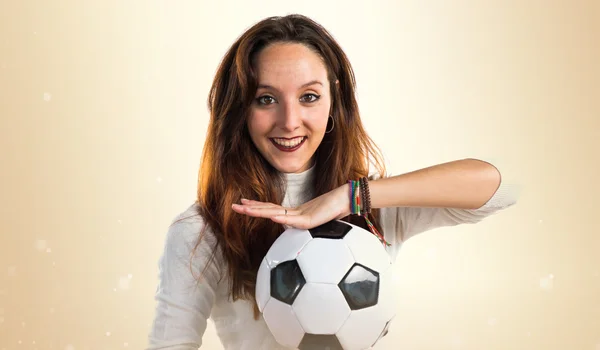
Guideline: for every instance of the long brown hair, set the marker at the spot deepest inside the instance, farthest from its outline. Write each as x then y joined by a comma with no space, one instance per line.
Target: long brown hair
232,168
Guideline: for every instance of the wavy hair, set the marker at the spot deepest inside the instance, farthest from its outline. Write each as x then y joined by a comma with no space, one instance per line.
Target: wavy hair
232,168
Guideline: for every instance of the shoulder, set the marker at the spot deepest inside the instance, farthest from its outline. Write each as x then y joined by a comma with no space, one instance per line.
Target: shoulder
187,231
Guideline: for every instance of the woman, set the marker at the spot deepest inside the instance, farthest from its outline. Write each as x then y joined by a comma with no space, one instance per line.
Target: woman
284,139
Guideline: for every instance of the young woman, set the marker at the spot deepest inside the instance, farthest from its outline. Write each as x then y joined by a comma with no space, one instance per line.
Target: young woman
284,139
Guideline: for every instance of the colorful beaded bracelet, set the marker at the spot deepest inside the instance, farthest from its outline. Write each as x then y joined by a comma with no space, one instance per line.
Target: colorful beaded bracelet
360,204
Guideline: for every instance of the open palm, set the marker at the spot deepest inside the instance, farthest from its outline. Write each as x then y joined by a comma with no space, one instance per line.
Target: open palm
332,205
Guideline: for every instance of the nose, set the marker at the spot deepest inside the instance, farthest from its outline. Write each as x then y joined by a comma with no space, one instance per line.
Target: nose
290,117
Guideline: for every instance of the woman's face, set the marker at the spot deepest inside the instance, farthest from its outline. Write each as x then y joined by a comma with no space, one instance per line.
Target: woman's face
288,117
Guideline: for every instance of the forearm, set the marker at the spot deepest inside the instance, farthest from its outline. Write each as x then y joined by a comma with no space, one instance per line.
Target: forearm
464,184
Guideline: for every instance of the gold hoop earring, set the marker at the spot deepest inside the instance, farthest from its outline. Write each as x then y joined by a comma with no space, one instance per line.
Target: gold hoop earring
332,125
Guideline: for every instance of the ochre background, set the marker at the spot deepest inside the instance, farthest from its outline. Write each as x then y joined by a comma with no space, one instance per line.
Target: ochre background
102,121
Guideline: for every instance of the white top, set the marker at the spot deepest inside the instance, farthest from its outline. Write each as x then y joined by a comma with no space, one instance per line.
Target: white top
182,308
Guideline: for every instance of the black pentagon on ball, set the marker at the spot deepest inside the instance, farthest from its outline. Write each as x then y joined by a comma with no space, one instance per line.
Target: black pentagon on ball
320,342
360,287
286,281
333,229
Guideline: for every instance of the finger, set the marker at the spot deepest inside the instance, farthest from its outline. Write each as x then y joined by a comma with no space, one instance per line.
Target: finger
262,206
257,204
277,209
261,212
270,212
253,202
248,205
295,221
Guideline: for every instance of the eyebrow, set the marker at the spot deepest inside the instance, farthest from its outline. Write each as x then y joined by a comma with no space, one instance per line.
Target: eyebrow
312,82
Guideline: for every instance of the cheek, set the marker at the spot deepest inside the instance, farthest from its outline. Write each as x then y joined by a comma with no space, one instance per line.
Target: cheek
324,111
257,124
320,120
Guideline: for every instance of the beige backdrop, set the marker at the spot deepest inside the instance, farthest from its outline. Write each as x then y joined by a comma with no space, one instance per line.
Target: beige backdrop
103,117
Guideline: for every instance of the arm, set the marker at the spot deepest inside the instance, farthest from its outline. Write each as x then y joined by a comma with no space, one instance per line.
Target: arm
183,304
462,191
448,194
464,184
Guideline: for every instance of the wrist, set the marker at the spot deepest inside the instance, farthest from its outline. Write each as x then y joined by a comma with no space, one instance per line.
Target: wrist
346,201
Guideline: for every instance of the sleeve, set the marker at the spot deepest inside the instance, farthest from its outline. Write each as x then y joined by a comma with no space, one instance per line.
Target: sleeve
184,304
406,222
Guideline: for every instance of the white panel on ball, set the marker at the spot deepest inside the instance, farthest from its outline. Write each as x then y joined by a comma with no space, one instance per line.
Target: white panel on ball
387,293
361,327
325,260
283,323
321,308
263,284
287,246
368,250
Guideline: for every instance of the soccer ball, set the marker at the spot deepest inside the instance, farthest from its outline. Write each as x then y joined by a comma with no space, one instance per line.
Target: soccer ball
329,287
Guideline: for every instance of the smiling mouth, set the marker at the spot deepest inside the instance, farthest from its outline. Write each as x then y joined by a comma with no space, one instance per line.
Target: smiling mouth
287,145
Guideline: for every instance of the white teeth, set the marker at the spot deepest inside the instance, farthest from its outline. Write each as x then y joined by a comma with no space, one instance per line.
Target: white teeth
289,143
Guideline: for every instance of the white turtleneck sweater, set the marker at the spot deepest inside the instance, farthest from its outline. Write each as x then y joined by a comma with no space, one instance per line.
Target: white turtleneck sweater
183,306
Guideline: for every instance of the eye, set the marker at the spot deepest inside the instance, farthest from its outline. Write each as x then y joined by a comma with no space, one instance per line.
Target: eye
261,100
314,99
267,100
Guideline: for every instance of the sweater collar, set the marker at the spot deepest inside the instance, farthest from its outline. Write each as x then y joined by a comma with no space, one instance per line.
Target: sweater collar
302,180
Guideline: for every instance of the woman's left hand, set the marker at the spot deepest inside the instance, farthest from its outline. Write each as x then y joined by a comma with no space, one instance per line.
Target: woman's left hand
332,205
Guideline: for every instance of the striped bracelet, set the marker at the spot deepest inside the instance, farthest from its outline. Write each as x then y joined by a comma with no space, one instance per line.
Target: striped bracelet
360,204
